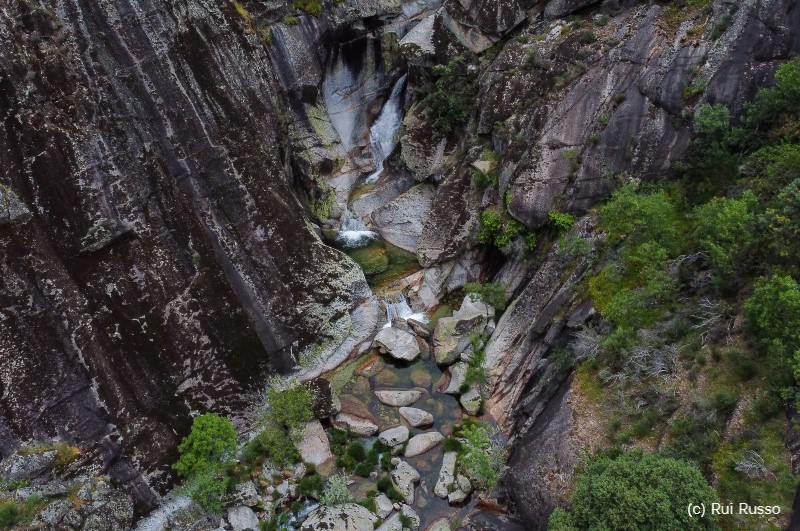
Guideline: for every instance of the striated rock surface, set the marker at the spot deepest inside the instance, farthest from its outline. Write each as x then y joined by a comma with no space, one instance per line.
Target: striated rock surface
345,517
400,222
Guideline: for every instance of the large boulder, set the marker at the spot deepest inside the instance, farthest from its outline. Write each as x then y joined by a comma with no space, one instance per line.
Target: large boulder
452,334
345,517
458,376
447,475
398,397
419,444
400,221
314,447
418,418
398,343
357,425
25,466
242,518
403,478
394,436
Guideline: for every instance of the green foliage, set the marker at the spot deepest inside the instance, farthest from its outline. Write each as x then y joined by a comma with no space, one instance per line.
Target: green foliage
210,444
448,105
311,484
492,293
623,492
406,521
633,291
724,228
336,492
694,88
498,229
482,456
207,488
639,218
9,515
312,7
571,247
476,371
781,224
560,220
773,313
385,485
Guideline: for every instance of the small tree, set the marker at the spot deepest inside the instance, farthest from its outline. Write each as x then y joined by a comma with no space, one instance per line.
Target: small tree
448,104
636,491
210,445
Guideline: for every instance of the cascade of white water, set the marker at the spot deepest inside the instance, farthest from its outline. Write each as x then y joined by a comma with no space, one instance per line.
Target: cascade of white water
397,306
382,132
353,233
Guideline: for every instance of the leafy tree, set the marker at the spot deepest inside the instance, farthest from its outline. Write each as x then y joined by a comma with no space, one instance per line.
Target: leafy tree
449,104
560,220
210,444
724,228
636,491
781,222
631,292
639,218
773,313
290,408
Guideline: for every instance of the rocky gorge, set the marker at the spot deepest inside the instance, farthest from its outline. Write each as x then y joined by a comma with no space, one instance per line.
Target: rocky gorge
198,194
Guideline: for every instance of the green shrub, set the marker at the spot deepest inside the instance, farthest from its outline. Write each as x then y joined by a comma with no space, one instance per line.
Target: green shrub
491,293
560,220
449,103
210,444
621,493
336,492
482,456
312,7
9,515
639,218
724,228
207,488
773,313
311,485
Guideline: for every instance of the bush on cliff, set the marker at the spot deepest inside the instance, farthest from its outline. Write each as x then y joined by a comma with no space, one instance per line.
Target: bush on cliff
636,491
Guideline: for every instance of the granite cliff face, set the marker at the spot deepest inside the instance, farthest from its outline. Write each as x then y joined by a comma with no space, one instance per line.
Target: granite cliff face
167,167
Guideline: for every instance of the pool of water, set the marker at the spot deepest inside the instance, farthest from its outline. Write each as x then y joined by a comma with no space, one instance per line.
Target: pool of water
374,372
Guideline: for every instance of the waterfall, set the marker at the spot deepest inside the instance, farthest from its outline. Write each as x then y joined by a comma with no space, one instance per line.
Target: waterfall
353,233
397,306
381,134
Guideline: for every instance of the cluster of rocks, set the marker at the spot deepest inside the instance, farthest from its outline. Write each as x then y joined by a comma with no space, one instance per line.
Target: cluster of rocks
451,486
46,474
455,341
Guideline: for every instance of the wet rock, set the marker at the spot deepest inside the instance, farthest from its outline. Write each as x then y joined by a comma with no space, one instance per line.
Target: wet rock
471,401
394,436
345,517
421,377
464,483
242,518
403,478
446,475
452,334
245,493
398,343
23,466
401,324
394,524
353,405
398,398
418,418
357,425
315,447
440,524
420,328
322,397
383,505
400,222
458,375
457,496
419,444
